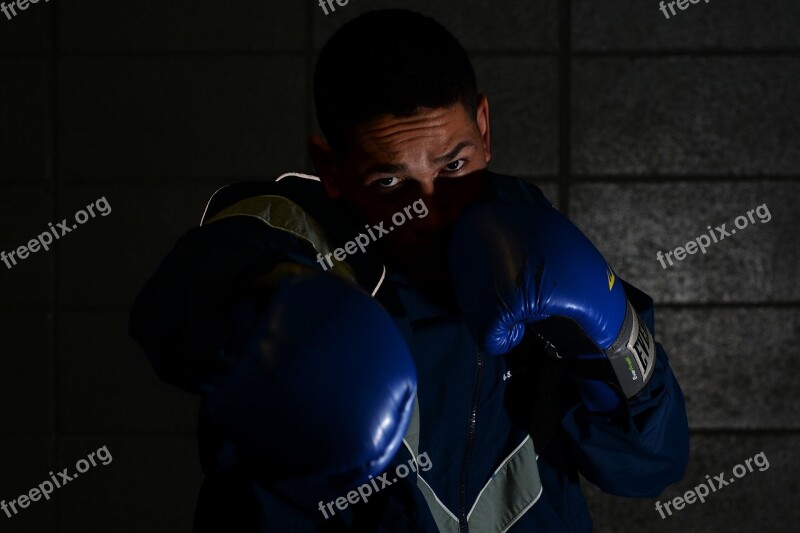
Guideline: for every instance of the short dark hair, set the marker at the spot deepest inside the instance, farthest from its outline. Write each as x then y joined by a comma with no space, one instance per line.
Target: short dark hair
391,61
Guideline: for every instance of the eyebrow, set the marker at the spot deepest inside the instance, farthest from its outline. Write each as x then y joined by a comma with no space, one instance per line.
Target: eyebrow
454,152
388,168
385,168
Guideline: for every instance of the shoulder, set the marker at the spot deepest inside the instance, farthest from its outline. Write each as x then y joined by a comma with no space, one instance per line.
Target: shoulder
301,189
512,189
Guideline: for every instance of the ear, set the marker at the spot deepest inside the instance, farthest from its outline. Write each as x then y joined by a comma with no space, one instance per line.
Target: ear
326,164
484,128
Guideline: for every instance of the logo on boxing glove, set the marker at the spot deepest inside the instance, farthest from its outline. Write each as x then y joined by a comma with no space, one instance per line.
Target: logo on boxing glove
643,347
632,353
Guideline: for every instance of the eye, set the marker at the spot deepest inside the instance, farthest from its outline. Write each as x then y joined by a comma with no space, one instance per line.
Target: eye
455,165
387,182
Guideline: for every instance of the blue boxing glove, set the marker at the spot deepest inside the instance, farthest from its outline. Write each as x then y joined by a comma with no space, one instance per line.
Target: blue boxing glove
516,265
324,393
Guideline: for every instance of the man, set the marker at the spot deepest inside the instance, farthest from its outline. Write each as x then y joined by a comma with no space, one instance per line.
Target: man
480,331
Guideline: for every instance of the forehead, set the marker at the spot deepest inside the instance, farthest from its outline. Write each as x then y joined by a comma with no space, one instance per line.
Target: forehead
428,131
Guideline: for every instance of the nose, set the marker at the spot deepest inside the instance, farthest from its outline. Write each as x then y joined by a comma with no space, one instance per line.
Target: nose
445,199
441,210
427,188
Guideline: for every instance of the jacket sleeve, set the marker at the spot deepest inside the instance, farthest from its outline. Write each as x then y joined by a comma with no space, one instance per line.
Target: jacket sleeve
192,315
641,455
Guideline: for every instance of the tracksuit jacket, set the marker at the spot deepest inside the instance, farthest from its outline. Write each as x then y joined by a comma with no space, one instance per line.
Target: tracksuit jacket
505,437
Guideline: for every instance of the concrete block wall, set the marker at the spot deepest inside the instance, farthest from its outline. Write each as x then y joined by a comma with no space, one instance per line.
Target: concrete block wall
645,130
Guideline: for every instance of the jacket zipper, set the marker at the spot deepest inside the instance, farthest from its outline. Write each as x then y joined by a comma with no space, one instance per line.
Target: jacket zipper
473,414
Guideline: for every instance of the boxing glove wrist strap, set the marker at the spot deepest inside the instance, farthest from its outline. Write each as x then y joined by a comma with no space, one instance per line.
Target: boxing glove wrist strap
632,354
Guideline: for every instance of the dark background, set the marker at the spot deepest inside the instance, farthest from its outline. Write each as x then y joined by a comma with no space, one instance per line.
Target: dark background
644,130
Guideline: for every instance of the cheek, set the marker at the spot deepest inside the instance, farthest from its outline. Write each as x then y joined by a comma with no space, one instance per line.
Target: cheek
402,237
374,215
414,244
374,210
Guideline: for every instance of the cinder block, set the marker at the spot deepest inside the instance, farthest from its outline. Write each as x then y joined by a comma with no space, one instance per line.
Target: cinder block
151,484
732,25
733,365
24,106
107,386
27,374
25,212
502,25
106,261
182,25
26,463
191,117
29,32
758,501
685,116
523,109
630,223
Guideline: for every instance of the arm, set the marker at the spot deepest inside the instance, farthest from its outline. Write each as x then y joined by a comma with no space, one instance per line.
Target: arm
645,451
193,312
534,272
312,396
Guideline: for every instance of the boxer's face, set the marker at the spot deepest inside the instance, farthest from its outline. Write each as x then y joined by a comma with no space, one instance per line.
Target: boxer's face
436,155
